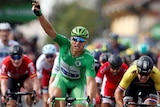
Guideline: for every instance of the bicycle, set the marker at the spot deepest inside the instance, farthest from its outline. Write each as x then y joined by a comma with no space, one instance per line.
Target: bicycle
69,100
19,96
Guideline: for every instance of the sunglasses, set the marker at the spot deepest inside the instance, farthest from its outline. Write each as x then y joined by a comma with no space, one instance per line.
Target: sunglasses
78,39
144,74
49,56
16,57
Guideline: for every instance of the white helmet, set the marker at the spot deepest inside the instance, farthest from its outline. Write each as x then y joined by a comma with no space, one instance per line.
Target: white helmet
5,26
49,49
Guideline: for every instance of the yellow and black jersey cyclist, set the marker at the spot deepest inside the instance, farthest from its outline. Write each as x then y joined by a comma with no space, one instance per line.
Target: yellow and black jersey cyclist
142,76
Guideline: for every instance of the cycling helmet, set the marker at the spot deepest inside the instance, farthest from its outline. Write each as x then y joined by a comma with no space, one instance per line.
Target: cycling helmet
49,49
96,54
104,57
115,61
16,50
144,64
143,48
80,31
5,26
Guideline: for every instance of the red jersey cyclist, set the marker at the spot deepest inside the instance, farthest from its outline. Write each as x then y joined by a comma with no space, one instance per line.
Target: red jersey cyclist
44,66
18,68
142,76
113,70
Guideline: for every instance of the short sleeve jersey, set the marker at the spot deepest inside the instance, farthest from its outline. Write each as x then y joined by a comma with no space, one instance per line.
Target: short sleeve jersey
74,67
112,80
9,70
43,67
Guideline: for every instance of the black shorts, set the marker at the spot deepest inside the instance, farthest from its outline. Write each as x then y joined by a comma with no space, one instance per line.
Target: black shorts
14,85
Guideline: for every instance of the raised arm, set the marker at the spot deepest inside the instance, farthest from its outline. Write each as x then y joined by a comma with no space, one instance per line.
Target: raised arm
43,21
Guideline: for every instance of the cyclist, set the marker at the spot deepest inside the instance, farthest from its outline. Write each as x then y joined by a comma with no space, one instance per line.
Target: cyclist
18,68
76,63
142,76
114,45
96,54
44,66
113,69
5,42
144,49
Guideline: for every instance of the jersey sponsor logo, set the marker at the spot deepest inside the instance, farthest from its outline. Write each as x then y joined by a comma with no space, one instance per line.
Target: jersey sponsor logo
78,63
70,71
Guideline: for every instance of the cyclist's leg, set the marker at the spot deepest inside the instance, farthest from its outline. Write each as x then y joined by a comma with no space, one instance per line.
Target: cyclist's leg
44,84
79,91
12,86
58,88
45,96
28,85
107,102
151,99
11,103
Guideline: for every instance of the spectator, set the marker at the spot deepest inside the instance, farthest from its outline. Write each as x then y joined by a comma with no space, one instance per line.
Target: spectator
115,46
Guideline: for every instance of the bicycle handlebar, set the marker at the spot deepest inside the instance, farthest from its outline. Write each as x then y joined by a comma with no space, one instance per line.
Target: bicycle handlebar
70,99
33,93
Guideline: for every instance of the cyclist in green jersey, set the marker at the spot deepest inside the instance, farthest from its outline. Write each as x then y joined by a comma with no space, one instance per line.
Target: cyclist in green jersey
76,63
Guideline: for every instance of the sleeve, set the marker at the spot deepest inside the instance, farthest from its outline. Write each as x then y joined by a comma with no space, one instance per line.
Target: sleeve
3,71
100,74
39,66
61,40
31,68
55,68
155,76
90,71
128,76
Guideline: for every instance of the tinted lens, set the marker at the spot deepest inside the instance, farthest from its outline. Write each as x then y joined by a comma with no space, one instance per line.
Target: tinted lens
16,57
144,74
78,39
49,56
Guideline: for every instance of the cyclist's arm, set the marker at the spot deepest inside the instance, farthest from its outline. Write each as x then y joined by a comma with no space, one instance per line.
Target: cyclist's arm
119,97
55,69
91,87
43,21
4,86
47,27
36,85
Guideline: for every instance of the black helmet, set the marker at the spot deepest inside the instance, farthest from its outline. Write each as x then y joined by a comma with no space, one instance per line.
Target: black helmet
115,61
104,57
16,50
144,64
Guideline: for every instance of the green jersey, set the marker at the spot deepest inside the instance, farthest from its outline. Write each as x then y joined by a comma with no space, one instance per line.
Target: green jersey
74,67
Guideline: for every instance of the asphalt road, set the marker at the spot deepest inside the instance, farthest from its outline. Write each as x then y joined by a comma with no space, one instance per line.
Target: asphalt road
39,104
